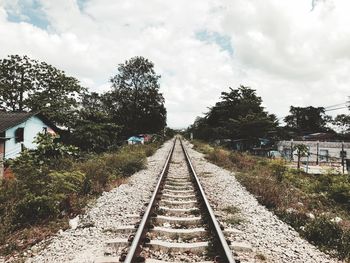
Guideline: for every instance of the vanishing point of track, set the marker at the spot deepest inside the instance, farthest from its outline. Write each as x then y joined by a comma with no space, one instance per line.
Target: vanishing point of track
178,224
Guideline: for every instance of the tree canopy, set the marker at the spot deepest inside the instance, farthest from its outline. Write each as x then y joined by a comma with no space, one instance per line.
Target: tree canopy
238,115
30,85
304,120
135,102
94,130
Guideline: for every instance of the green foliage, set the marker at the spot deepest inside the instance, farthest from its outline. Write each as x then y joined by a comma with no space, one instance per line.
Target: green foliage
343,122
239,115
135,102
305,120
278,168
30,85
302,150
323,232
297,219
129,160
48,154
339,189
94,130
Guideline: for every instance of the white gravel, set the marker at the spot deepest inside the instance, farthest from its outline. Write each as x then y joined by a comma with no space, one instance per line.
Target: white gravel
268,235
86,242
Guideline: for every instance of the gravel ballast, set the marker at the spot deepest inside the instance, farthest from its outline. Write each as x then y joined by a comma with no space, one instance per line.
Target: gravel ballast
112,209
268,235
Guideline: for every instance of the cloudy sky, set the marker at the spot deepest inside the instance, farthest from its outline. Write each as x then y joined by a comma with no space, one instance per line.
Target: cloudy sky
293,52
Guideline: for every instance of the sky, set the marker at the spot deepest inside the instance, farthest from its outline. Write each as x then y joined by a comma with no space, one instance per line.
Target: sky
292,52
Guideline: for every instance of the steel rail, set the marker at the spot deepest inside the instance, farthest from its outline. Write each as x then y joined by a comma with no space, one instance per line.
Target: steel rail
135,247
225,250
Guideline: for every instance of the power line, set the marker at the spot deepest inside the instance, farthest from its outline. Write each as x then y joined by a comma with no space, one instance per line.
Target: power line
345,107
336,105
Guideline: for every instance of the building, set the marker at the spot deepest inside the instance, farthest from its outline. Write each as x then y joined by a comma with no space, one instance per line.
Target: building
319,152
18,130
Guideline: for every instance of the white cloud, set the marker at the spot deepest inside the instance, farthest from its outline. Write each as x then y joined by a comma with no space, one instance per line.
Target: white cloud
288,53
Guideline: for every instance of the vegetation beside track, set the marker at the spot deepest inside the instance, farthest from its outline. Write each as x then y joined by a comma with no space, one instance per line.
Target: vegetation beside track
54,183
311,204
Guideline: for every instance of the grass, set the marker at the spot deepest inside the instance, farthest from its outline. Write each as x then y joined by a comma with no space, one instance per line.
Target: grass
231,209
293,195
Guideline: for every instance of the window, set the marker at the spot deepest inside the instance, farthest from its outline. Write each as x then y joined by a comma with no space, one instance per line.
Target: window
19,135
324,155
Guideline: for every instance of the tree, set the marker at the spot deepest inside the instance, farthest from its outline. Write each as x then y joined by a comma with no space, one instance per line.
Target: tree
238,115
94,130
302,150
135,101
30,85
304,120
343,122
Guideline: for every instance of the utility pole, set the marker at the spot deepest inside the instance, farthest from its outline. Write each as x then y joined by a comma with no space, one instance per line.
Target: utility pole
308,158
342,156
317,151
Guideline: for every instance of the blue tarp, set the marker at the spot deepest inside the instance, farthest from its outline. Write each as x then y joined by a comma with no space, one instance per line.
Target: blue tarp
135,139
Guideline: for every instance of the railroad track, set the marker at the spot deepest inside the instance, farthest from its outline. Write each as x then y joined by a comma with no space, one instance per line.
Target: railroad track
178,224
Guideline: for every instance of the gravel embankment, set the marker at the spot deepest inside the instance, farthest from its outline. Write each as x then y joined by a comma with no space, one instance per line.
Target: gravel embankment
111,210
268,235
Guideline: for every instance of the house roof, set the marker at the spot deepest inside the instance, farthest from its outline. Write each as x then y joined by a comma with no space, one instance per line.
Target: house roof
11,119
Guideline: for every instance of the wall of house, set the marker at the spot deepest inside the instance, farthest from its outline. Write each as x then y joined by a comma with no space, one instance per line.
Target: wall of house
324,151
32,127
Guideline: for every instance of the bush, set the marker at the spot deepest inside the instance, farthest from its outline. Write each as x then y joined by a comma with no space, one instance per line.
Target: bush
51,197
242,161
128,161
31,209
97,175
296,219
344,247
339,190
219,157
278,168
323,232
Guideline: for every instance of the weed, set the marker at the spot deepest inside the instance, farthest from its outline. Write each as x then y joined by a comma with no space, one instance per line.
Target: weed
234,220
231,209
260,257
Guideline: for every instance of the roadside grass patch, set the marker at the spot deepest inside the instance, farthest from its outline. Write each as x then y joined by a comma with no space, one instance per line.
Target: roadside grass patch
44,194
309,203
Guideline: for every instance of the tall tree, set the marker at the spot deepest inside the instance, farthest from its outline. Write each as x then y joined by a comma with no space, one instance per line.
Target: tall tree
305,120
238,115
135,101
30,85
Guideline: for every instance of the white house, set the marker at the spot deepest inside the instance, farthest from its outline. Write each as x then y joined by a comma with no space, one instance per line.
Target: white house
18,130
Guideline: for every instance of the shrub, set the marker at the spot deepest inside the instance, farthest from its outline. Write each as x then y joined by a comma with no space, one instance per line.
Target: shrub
339,190
128,161
278,168
296,219
264,188
50,198
32,208
323,232
220,157
344,248
242,161
97,175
